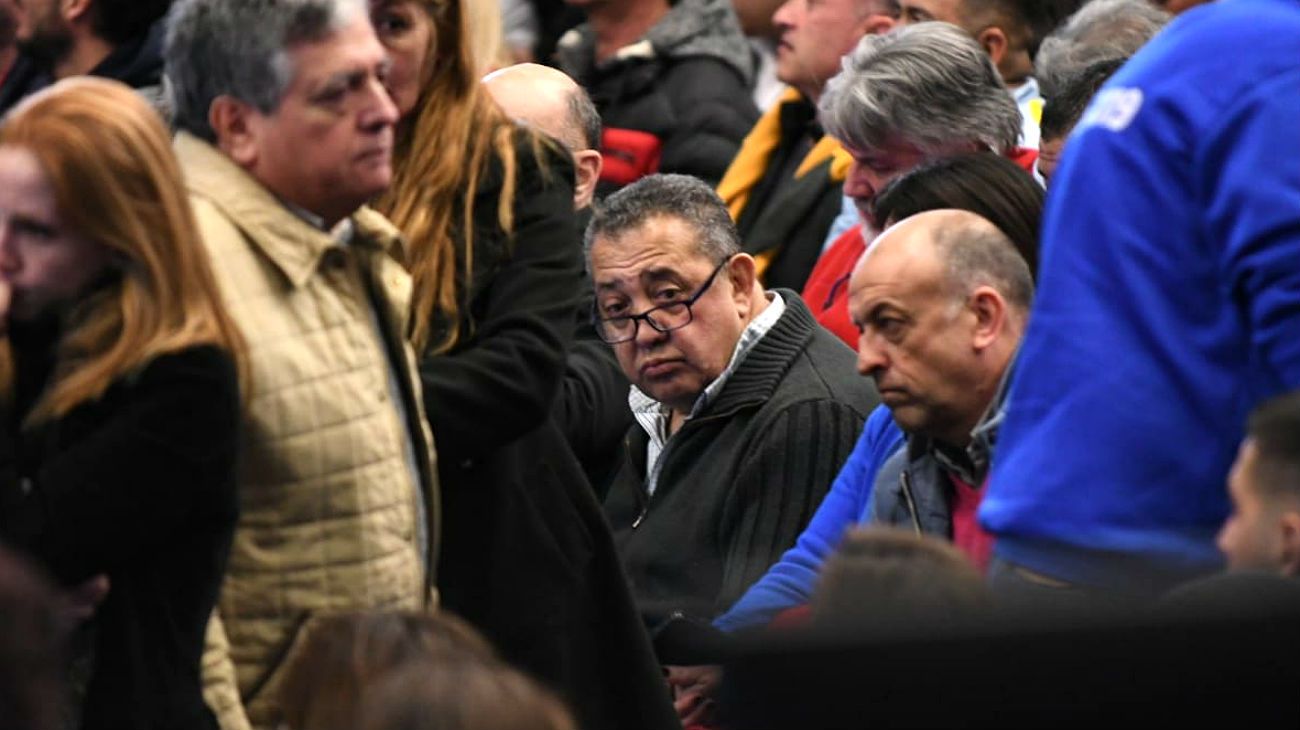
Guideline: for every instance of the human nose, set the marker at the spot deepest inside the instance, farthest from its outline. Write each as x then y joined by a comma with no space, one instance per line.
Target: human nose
871,358
783,16
860,182
646,336
381,111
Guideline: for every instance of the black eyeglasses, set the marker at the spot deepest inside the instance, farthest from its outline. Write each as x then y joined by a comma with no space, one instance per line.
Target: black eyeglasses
663,318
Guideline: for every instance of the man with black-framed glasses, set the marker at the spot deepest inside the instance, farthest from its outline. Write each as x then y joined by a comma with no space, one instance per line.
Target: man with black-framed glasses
745,407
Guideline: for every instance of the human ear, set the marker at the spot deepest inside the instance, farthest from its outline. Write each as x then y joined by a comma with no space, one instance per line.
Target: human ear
742,274
989,312
237,130
1290,541
588,164
994,42
74,10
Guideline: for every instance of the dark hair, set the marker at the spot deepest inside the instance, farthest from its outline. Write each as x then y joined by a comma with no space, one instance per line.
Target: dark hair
342,655
118,21
686,198
1274,426
1064,103
984,183
884,578
582,112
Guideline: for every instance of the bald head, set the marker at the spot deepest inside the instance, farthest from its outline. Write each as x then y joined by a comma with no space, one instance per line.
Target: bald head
941,299
545,98
551,102
964,246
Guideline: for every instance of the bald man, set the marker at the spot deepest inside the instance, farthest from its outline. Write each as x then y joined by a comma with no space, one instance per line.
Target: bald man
941,300
549,101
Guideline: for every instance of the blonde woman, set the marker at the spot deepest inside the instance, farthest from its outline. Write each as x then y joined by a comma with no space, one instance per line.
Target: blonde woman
495,258
118,428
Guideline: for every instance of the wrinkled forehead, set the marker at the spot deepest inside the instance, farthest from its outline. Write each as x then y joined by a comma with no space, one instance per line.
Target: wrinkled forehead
662,248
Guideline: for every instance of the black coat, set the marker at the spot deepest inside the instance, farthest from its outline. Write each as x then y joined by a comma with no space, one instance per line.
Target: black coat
526,555
138,485
687,83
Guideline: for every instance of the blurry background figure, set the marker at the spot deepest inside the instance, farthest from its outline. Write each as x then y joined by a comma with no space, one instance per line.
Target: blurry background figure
1263,530
1063,105
399,671
784,186
520,29
756,23
33,692
671,81
116,39
487,209
119,429
1077,58
1100,30
884,581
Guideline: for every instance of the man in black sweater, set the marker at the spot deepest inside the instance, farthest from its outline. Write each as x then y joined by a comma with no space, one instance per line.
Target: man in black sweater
745,407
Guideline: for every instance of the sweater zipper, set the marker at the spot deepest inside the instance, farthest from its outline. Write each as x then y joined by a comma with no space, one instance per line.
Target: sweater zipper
644,498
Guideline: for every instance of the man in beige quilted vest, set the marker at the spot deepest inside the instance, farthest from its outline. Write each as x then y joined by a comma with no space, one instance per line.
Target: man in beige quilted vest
285,132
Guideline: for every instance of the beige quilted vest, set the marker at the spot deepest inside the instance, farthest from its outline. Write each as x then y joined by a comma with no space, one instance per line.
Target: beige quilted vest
329,509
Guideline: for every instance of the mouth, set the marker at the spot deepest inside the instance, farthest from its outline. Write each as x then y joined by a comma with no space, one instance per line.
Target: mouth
653,369
893,396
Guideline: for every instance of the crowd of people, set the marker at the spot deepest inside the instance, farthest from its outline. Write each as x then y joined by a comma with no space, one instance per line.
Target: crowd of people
414,364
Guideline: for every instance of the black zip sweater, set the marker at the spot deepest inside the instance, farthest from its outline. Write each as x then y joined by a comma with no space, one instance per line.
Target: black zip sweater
740,481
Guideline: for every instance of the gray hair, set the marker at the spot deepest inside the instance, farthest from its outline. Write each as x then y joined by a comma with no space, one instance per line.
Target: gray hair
584,118
929,84
1101,30
978,253
683,197
240,48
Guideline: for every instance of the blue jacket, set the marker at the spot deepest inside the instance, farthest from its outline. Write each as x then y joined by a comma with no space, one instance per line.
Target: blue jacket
1168,305
789,582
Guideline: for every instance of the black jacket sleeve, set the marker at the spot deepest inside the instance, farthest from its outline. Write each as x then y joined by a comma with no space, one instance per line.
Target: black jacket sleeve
159,452
501,380
714,110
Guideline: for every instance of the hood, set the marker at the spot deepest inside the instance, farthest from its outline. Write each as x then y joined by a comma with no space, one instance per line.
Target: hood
692,28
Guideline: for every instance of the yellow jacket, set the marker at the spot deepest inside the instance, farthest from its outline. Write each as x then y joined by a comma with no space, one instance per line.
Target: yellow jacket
330,510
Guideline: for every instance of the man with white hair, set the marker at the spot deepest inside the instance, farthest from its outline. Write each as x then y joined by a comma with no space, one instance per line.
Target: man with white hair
919,93
285,132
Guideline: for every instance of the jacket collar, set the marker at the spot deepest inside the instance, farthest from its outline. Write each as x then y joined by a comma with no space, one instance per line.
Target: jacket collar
288,241
766,365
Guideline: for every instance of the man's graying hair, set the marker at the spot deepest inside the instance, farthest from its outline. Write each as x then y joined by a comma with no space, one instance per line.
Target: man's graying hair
977,253
683,197
240,48
1100,30
929,84
583,114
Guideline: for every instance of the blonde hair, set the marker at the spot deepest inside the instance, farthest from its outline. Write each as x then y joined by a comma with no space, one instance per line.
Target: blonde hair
109,160
444,147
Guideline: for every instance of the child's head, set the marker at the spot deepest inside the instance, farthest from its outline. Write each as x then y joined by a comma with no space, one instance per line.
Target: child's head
1263,531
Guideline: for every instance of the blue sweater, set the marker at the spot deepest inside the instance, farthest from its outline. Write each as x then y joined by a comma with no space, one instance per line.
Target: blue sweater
789,582
1168,305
